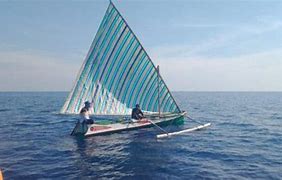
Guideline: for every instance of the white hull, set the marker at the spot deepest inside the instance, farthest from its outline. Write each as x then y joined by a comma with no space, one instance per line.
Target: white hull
99,129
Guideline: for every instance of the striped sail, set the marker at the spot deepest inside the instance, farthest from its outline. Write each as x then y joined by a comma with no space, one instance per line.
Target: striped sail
118,73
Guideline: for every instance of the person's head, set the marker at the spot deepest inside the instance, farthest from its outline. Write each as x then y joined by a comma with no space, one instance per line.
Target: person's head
137,106
87,104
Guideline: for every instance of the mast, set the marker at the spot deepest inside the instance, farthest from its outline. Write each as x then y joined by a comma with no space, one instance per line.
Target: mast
159,102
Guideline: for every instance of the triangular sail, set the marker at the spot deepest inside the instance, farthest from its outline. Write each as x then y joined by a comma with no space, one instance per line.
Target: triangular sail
118,73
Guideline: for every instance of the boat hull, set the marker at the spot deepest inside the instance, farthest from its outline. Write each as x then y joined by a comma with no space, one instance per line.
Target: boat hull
102,129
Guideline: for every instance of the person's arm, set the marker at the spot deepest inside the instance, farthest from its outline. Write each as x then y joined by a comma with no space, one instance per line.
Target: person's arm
132,113
141,112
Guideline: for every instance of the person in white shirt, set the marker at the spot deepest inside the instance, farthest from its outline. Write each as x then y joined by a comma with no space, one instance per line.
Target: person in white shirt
84,113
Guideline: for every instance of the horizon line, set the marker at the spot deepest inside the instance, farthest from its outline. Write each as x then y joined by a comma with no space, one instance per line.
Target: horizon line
200,91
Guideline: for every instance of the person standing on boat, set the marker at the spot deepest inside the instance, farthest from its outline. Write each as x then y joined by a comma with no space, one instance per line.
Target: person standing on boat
137,113
84,113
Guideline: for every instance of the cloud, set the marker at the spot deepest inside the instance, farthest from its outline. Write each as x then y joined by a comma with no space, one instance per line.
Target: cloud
200,25
253,72
264,24
187,67
233,36
35,71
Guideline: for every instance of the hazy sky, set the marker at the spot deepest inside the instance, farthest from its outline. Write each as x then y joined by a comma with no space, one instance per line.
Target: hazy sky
201,45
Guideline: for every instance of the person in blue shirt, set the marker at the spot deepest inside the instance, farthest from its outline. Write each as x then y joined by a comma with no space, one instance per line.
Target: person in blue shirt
137,113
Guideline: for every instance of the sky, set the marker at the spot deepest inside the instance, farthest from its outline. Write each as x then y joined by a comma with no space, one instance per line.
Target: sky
200,45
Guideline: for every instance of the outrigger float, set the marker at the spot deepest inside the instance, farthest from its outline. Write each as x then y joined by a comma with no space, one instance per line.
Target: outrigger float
116,74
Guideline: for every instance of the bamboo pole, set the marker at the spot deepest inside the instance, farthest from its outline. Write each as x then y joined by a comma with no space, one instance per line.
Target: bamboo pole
159,102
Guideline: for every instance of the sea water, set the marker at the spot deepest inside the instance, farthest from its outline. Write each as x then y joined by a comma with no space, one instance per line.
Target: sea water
244,141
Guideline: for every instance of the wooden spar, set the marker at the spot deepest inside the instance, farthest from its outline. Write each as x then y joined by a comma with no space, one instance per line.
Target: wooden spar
184,131
157,126
159,103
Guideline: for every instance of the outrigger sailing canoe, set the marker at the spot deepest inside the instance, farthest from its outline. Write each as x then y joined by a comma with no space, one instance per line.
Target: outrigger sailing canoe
117,73
100,128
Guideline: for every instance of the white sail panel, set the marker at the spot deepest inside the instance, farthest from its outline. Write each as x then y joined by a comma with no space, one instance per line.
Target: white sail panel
118,73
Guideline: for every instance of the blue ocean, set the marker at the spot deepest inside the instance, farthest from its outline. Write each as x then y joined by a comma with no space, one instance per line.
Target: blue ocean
244,141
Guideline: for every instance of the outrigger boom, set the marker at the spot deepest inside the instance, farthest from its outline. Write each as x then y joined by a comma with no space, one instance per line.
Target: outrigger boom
184,131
